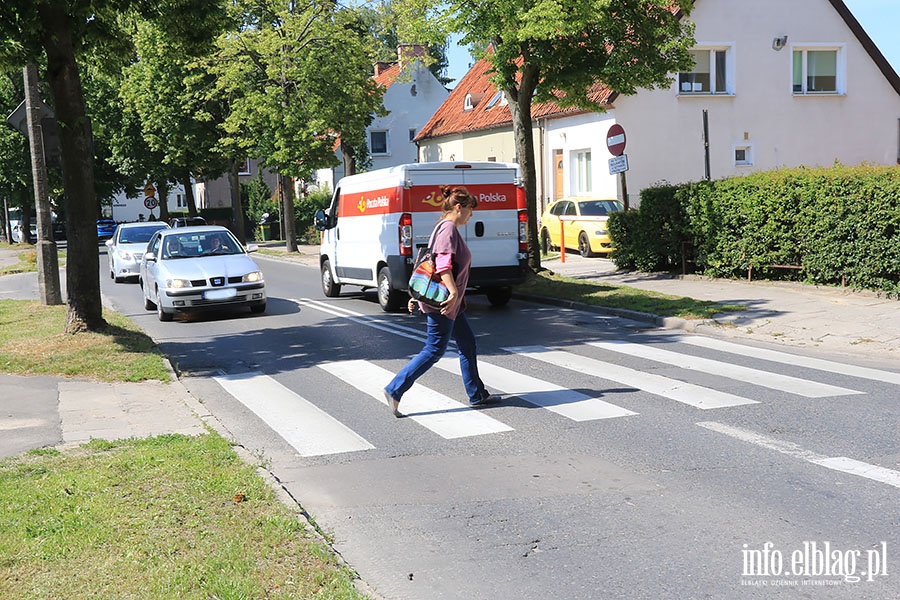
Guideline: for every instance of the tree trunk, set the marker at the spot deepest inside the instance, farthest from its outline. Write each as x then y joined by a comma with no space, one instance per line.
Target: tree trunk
349,157
290,228
85,310
237,211
162,192
520,107
189,194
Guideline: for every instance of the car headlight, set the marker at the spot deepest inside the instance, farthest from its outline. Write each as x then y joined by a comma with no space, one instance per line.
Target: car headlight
253,277
178,283
125,255
601,232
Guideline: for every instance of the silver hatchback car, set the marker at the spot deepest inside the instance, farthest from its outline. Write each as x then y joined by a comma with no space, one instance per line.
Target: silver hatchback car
125,248
199,268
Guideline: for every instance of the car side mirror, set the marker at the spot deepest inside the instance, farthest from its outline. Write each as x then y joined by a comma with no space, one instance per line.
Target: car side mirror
322,221
252,247
150,257
109,243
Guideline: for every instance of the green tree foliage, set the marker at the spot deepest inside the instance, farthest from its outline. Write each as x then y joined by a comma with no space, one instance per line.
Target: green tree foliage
15,164
557,50
58,35
296,84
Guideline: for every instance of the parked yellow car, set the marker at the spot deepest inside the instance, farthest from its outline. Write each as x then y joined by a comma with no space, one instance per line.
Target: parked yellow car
584,221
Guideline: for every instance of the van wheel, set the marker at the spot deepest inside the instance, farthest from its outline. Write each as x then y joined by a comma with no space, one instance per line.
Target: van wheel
499,296
389,298
584,245
329,287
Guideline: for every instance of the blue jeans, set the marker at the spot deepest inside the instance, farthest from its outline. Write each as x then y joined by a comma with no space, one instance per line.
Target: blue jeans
440,328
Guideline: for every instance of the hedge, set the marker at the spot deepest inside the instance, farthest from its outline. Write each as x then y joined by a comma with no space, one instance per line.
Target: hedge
839,226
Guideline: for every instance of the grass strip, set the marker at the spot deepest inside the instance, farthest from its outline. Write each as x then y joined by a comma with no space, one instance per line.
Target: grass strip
166,517
551,285
33,342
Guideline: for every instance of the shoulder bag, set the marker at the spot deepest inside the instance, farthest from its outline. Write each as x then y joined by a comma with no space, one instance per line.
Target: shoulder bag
425,285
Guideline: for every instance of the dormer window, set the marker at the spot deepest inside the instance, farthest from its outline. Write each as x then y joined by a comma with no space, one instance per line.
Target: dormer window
472,101
493,101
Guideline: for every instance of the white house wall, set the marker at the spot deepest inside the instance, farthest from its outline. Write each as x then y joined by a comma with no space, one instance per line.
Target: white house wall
665,130
126,209
411,103
573,135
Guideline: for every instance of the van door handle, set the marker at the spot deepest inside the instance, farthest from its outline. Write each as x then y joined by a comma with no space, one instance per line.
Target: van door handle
479,229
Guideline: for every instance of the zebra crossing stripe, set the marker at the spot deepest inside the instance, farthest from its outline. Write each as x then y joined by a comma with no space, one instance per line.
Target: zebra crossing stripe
837,463
784,383
442,415
562,401
310,430
793,359
686,393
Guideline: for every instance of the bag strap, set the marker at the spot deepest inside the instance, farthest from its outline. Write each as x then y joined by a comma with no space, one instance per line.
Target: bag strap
434,233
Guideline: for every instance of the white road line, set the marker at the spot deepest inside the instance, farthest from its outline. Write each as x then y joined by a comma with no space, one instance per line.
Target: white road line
839,463
442,415
311,431
375,323
792,359
784,383
686,393
562,401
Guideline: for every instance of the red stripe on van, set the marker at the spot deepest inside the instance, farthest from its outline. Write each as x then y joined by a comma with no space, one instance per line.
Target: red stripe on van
376,202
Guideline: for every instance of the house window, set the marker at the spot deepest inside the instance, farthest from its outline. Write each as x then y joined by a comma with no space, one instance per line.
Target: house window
712,73
412,133
817,71
180,201
378,142
244,167
743,156
494,101
582,165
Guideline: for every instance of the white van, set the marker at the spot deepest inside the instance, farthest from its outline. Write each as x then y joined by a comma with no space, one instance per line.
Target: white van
378,220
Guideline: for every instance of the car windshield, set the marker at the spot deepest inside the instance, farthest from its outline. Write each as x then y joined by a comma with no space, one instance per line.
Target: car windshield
198,245
599,208
137,235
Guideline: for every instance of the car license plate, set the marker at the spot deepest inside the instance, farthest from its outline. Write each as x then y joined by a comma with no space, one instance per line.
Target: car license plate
219,294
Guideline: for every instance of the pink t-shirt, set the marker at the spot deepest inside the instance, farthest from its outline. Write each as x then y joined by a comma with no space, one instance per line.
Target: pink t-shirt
451,254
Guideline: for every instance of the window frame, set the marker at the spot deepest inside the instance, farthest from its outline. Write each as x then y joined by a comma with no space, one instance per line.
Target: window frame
582,166
387,142
840,62
728,71
748,155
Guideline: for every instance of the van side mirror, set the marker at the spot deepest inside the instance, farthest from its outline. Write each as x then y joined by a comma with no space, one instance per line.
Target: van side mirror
322,221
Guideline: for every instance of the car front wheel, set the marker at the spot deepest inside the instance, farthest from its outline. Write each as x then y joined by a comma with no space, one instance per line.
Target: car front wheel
389,298
160,313
329,287
584,245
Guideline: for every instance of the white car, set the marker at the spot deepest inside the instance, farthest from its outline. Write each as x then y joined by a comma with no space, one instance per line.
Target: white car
199,268
125,248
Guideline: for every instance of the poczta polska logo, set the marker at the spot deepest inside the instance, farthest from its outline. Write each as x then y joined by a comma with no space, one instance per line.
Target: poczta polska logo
367,203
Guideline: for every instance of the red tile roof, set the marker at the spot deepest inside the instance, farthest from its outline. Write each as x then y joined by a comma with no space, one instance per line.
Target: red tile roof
488,112
387,77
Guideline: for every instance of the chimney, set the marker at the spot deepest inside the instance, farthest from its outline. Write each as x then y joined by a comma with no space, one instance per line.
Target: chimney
381,67
409,52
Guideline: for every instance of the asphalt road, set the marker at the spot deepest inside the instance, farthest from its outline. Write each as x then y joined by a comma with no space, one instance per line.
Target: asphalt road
623,462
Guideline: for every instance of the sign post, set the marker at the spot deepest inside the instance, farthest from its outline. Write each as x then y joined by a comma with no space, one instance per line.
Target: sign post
615,142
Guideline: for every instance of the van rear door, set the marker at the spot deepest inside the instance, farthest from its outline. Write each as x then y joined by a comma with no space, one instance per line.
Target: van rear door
493,231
